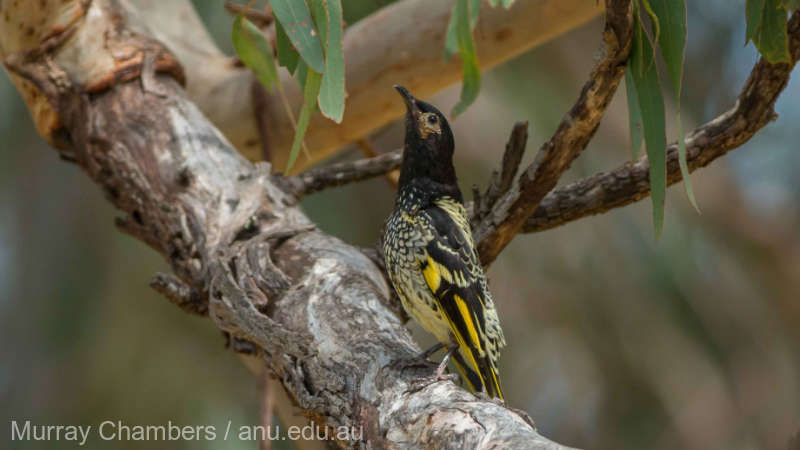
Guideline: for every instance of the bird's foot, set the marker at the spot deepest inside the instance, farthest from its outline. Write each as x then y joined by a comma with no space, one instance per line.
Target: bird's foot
417,362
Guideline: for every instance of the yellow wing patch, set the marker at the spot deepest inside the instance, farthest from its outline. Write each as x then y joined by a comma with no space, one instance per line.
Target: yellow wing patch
467,316
432,275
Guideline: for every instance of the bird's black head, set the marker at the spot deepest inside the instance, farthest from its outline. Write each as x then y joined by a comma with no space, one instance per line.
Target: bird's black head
428,152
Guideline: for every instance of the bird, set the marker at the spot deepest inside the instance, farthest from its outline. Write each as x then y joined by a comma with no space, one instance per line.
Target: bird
430,255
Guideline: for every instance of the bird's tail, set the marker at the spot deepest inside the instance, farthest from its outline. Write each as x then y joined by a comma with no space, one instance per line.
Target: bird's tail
483,380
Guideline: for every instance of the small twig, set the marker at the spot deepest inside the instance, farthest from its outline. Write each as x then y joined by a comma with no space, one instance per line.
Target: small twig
631,182
180,293
314,180
260,18
370,151
577,128
500,182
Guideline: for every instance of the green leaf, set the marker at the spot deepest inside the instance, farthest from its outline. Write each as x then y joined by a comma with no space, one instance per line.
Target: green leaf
672,41
672,37
332,93
296,21
320,16
310,92
507,3
651,105
687,182
634,115
302,72
471,75
451,38
287,55
254,51
771,38
753,12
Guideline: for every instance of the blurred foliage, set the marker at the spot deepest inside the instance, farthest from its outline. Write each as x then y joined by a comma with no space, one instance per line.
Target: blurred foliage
615,341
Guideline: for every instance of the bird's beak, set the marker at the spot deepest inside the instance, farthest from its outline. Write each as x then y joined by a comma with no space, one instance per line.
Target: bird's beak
411,102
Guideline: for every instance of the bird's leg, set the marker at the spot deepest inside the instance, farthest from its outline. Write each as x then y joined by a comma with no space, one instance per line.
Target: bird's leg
443,365
420,360
439,375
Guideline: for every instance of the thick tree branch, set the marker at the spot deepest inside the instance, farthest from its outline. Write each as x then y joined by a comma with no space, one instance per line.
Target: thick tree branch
280,288
402,43
573,134
631,182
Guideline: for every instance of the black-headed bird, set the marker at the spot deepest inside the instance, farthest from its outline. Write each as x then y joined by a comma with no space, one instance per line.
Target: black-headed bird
430,255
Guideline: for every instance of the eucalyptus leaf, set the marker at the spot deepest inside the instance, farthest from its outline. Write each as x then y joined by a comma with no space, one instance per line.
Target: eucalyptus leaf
254,51
634,115
332,93
287,55
671,16
771,37
310,92
471,75
296,20
651,104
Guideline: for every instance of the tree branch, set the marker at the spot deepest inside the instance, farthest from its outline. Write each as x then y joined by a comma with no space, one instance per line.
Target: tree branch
332,175
631,182
500,182
230,234
379,50
577,128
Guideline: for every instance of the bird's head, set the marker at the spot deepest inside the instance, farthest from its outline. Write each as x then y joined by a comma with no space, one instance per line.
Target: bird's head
429,143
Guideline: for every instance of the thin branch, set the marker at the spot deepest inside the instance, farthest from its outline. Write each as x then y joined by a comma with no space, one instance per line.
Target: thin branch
577,128
631,182
500,182
339,174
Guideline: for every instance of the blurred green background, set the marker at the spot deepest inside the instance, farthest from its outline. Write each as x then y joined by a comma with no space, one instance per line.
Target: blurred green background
616,340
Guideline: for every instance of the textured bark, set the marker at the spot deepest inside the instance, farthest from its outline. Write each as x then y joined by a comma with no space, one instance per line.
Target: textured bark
572,136
237,242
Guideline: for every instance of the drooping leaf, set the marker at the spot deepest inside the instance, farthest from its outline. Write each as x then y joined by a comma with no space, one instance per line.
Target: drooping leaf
296,20
672,41
471,75
753,12
653,19
651,105
634,115
320,16
287,55
302,72
332,93
254,51
671,16
771,37
451,38
310,92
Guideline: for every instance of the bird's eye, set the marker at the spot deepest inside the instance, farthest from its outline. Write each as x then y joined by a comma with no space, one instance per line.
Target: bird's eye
432,119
